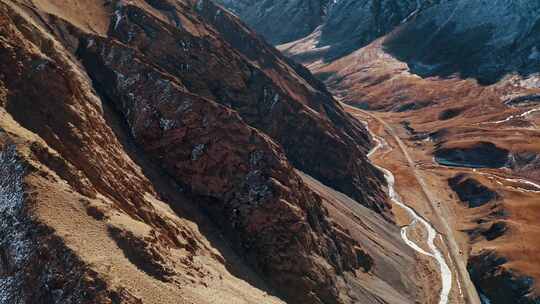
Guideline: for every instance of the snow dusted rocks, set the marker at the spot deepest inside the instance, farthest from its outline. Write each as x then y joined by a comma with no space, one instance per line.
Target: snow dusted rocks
484,40
35,264
15,247
336,27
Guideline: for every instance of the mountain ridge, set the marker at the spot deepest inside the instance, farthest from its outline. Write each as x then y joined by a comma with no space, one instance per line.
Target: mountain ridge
160,165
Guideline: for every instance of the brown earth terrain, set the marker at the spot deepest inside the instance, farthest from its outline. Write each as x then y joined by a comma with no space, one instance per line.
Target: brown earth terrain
476,146
451,90
159,151
150,154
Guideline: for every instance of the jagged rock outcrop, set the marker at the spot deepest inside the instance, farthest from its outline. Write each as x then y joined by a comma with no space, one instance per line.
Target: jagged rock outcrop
471,191
238,174
269,93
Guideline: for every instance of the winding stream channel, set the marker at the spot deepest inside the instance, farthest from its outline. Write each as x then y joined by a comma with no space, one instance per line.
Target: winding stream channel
434,252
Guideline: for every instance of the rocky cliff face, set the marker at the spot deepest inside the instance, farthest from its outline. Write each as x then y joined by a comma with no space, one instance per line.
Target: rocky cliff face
150,148
331,28
281,21
284,101
472,38
434,37
326,143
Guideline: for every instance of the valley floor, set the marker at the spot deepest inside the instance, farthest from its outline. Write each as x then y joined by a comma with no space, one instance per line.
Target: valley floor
465,156
420,197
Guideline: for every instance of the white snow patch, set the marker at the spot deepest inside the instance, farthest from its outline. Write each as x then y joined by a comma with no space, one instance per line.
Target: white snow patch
197,151
535,54
200,5
117,18
13,229
167,124
275,100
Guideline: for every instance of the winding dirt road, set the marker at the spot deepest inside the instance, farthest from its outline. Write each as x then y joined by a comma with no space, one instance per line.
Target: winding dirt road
466,287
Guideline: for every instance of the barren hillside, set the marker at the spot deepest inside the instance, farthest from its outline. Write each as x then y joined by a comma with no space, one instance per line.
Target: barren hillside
149,154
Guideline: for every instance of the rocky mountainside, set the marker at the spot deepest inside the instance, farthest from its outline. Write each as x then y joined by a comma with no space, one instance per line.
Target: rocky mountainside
457,82
281,21
476,39
149,154
330,28
434,37
457,128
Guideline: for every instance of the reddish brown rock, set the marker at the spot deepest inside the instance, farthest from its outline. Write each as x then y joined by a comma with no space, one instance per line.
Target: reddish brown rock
234,171
218,58
206,138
